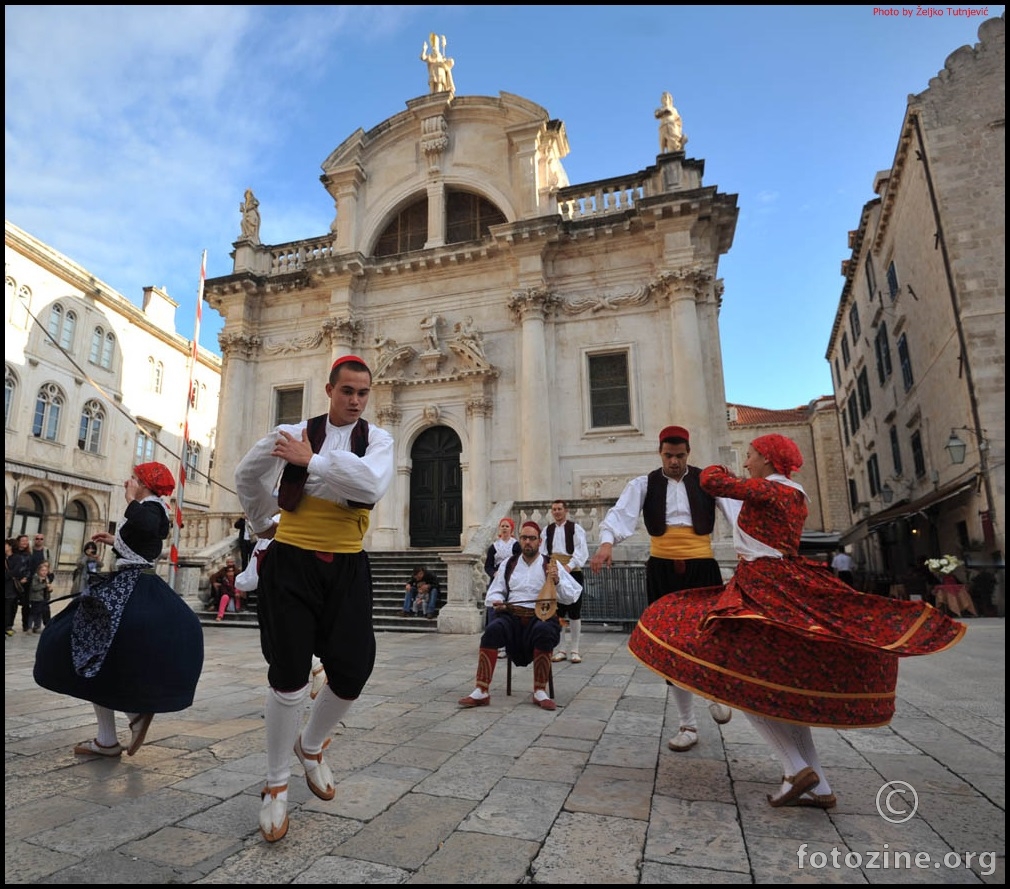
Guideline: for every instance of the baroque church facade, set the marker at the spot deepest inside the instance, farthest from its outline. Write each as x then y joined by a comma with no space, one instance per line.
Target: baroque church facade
528,337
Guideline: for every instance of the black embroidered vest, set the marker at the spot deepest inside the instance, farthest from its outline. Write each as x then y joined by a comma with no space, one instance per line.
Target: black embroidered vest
654,507
293,478
510,566
569,536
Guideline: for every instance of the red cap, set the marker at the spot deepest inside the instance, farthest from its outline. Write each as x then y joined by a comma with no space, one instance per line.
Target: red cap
346,359
533,525
156,477
674,432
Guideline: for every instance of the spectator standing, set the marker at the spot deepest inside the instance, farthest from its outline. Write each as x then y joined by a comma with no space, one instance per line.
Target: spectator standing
40,553
12,586
842,565
39,591
565,541
245,541
87,565
21,568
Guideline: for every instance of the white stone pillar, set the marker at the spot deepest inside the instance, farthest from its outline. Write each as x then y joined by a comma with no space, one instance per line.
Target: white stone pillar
475,487
235,416
691,404
388,521
536,437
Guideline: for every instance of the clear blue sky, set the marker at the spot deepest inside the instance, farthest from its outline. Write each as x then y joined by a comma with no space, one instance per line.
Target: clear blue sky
132,132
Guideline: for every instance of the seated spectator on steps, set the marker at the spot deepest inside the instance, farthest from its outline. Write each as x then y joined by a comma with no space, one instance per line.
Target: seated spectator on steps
423,584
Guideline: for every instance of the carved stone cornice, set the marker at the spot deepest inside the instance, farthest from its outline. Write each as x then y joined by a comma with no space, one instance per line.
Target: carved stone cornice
238,345
434,140
532,302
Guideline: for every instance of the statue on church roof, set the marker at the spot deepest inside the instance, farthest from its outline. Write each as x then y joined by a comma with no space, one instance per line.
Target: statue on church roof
250,217
671,133
439,66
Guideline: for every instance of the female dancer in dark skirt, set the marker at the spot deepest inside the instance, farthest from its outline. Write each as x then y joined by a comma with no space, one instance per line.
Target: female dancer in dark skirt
784,640
129,643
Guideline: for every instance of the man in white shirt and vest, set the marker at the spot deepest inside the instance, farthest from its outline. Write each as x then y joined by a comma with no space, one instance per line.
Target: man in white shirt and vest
680,518
565,541
315,579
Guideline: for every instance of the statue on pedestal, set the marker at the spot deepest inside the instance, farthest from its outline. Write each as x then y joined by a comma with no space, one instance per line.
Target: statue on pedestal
671,133
250,217
439,66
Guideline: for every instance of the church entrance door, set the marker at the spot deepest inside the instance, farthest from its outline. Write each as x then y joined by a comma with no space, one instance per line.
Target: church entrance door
436,489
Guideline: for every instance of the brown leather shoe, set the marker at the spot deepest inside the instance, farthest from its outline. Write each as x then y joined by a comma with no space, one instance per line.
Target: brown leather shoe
474,702
545,704
800,783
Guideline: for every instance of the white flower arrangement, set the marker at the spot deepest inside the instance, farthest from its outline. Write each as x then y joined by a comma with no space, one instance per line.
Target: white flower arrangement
944,565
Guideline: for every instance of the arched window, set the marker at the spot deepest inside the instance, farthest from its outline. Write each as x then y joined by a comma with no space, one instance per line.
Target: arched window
194,396
159,377
95,355
48,404
62,325
108,349
10,390
89,438
144,447
28,515
18,298
469,216
408,231
75,524
192,461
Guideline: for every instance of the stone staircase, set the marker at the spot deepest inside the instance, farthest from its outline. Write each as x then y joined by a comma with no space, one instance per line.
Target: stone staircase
390,571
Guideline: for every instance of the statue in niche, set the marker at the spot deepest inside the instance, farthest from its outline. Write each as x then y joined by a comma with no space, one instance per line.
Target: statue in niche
671,127
439,66
250,217
429,328
468,344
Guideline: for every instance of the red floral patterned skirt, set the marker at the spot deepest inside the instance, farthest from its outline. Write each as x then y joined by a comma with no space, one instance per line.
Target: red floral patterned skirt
786,639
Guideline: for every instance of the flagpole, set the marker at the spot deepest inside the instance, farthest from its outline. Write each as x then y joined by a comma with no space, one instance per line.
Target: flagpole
180,498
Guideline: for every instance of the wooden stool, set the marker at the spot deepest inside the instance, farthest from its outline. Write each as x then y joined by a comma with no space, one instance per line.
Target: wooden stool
508,679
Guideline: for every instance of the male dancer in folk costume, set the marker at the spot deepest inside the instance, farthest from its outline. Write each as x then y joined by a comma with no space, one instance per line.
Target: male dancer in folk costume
315,579
564,540
785,640
680,518
516,626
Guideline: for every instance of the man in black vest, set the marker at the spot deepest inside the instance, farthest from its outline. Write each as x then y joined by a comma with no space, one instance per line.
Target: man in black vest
679,517
565,541
315,580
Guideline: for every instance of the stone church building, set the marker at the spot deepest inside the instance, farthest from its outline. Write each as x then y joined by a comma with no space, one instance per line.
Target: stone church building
528,337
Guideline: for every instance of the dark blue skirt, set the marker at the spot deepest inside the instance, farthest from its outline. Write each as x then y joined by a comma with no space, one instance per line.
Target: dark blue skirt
152,665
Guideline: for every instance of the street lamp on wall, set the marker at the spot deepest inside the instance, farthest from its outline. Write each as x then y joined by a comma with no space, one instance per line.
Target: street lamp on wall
955,448
887,493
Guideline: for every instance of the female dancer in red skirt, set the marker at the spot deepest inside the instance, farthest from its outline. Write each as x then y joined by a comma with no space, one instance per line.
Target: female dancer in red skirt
784,640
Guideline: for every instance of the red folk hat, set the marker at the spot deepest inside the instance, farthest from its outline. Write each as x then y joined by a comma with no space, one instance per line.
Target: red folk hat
781,452
533,525
347,359
674,432
156,477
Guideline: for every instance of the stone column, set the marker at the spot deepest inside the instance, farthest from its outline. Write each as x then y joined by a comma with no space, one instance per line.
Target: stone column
388,524
342,334
234,415
436,214
691,407
475,487
463,611
535,443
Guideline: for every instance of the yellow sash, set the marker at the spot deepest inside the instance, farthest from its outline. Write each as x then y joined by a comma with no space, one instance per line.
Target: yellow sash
323,526
680,542
563,558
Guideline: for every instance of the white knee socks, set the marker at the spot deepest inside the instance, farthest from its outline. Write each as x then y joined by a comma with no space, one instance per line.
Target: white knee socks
685,706
327,711
106,726
284,719
793,745
576,627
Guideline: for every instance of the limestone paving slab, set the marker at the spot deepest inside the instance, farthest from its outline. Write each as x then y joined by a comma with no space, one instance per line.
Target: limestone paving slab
591,849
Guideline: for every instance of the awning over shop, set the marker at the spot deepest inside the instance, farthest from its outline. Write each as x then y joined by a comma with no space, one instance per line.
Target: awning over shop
863,527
